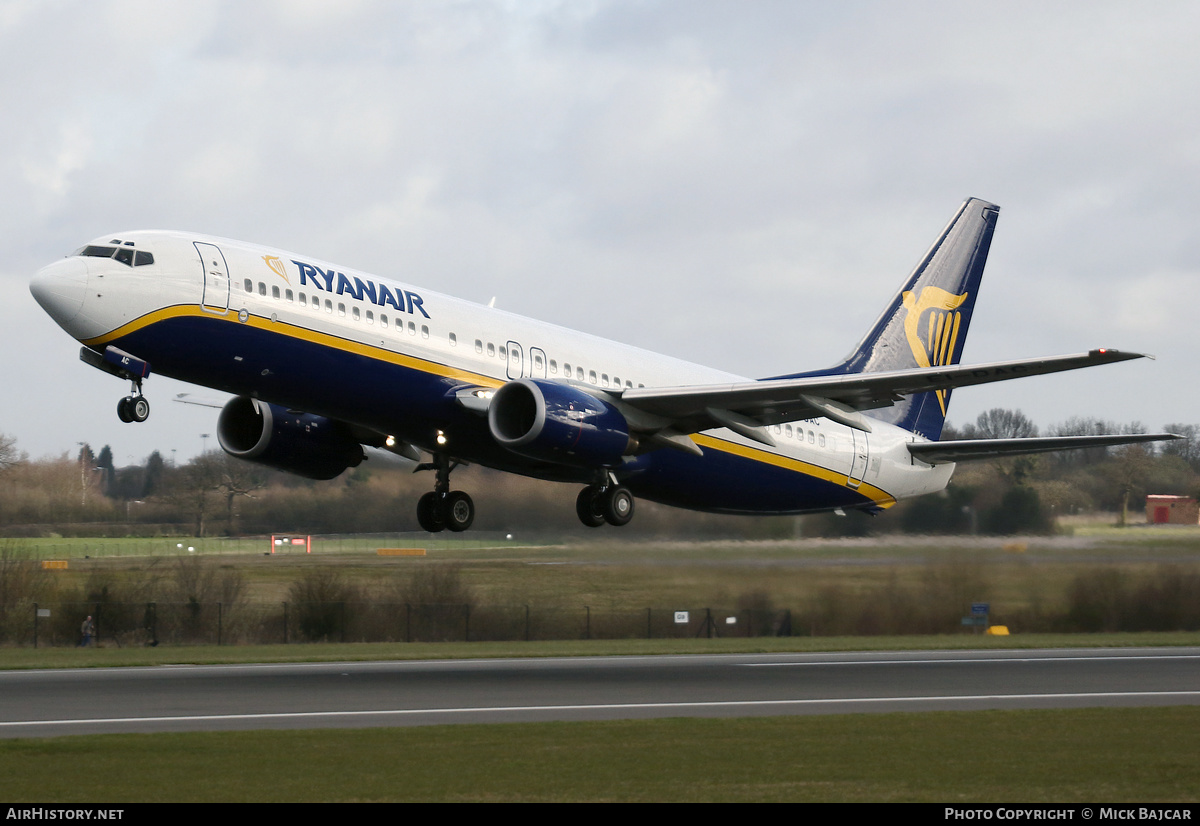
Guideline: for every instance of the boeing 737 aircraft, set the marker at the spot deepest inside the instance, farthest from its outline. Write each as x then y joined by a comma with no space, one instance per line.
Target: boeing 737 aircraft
324,361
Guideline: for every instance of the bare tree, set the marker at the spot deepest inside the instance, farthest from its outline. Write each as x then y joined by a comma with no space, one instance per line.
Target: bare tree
9,457
1001,423
238,478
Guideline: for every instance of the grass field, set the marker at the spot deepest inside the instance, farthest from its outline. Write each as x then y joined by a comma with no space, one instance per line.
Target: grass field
1025,580
1109,755
1085,756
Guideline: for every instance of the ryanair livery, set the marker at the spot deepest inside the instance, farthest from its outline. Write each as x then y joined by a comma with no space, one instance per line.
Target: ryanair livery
324,361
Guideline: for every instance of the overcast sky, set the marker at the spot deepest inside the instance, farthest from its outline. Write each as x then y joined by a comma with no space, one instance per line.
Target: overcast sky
742,184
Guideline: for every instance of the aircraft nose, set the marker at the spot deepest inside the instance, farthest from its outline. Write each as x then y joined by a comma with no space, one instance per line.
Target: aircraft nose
60,288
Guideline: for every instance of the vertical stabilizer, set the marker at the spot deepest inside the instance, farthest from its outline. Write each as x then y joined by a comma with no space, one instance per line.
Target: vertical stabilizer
925,324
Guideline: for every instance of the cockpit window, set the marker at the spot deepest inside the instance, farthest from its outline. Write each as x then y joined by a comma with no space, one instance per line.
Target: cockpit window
97,252
124,254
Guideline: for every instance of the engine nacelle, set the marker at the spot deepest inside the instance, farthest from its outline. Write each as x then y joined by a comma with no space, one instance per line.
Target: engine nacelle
558,423
300,443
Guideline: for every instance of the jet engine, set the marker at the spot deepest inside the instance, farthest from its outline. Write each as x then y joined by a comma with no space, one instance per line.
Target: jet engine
558,423
300,443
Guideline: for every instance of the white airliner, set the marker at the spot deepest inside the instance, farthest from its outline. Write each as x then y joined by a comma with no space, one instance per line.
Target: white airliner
324,360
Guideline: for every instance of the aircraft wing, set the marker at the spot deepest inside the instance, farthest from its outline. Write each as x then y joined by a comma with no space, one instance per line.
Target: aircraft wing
937,453
746,406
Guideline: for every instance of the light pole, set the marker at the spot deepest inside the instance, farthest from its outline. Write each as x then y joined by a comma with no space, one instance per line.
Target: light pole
204,443
82,477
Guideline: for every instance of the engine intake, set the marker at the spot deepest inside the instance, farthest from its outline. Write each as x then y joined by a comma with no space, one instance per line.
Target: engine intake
300,443
558,423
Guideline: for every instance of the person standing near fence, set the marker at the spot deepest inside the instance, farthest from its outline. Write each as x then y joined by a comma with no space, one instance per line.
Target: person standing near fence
87,630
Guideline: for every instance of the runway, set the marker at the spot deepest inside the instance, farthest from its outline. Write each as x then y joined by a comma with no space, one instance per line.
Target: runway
355,695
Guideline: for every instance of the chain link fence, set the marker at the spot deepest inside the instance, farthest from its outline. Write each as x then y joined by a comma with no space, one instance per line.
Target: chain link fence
132,624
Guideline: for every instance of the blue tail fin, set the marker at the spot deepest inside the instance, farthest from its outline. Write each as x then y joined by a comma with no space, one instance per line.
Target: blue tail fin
925,324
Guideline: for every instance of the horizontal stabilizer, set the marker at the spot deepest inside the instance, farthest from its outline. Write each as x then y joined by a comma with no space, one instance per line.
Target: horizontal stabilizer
964,450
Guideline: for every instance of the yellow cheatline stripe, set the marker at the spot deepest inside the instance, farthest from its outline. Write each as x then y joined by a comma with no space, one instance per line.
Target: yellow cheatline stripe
302,333
878,496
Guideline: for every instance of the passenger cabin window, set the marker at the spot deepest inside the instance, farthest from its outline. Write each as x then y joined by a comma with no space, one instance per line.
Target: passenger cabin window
248,285
491,350
356,314
453,340
424,331
275,292
383,321
287,294
478,346
262,288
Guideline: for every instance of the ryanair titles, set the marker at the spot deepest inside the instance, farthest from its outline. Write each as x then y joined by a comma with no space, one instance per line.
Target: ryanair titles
404,301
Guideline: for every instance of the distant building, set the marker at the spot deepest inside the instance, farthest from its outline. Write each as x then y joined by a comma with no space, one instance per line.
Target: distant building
1172,510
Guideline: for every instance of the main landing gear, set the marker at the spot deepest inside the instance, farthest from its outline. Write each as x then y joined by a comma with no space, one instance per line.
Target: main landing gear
134,408
441,507
603,502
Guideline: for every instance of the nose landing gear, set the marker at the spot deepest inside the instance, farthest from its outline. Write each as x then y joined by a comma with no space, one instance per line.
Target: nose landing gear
133,408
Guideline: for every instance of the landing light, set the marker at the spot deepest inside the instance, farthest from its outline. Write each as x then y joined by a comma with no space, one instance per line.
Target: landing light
441,438
390,441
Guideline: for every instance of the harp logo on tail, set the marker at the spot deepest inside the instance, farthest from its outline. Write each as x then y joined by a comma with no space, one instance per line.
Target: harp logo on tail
931,325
